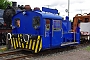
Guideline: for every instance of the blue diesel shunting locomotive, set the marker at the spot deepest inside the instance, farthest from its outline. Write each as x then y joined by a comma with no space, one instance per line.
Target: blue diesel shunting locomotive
38,30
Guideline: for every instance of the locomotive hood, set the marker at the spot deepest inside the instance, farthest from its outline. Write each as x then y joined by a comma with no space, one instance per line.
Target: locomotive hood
25,21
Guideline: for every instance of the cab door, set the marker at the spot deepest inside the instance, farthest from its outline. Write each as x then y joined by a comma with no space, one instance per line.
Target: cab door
47,33
56,32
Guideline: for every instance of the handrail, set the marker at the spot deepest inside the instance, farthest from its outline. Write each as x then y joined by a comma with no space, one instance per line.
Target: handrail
62,32
9,34
52,30
74,36
45,31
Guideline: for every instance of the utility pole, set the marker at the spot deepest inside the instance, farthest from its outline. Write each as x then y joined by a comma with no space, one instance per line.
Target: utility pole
48,6
68,7
81,11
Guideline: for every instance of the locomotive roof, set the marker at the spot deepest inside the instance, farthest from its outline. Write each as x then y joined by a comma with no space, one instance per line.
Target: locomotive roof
50,15
47,15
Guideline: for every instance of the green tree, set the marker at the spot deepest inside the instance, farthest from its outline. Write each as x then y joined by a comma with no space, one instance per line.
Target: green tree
4,3
71,20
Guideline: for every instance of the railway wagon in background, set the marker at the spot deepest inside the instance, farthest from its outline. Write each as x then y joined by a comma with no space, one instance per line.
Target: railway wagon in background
82,21
37,30
3,29
6,21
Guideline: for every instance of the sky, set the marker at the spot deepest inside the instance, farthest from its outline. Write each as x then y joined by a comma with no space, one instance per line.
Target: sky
76,6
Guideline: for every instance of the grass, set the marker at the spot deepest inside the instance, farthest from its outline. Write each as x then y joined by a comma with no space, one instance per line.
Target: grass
88,48
3,49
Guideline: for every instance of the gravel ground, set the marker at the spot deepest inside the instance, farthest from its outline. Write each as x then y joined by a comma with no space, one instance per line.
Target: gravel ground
76,54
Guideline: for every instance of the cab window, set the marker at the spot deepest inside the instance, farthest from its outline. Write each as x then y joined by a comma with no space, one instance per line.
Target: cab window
17,22
86,19
36,22
47,24
57,24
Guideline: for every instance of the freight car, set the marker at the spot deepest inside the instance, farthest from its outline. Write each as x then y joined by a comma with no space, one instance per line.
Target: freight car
82,21
37,30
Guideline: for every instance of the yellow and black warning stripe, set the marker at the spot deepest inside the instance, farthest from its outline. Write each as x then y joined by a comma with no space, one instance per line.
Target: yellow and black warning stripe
38,44
32,44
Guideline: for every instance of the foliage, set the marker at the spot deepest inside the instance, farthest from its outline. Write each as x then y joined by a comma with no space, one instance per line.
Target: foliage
4,4
71,20
88,48
3,49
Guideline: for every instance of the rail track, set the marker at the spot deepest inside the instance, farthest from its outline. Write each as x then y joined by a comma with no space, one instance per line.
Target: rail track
14,55
22,54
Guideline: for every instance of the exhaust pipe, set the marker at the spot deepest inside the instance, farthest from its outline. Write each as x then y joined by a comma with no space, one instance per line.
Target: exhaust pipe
14,4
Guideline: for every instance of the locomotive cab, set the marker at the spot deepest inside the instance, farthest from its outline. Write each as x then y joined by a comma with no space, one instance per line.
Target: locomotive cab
38,30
